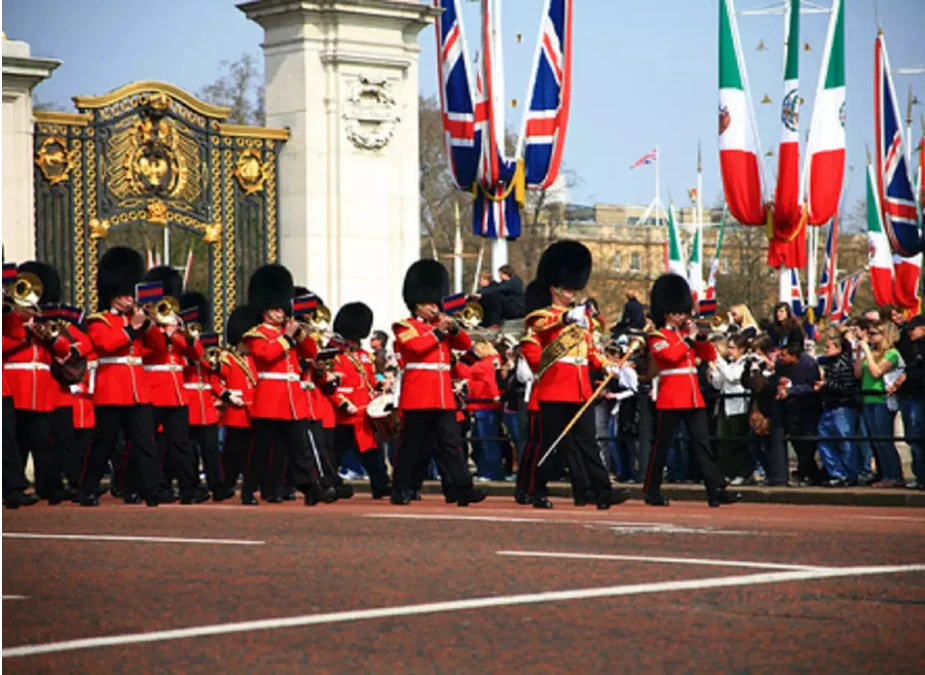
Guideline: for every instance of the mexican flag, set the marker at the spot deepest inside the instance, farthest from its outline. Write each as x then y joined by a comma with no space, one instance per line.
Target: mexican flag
826,148
708,302
675,259
787,209
738,141
880,260
695,270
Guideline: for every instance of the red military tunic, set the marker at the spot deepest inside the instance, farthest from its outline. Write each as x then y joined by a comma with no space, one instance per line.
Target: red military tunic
425,352
164,367
120,377
322,402
568,379
461,374
279,392
27,366
203,388
64,396
239,377
530,349
82,411
674,353
356,386
14,335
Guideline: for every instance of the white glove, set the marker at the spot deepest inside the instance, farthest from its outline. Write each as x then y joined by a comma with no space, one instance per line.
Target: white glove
523,372
578,315
613,369
236,401
76,389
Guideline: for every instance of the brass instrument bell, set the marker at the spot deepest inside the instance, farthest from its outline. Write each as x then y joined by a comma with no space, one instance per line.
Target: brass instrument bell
212,355
472,314
163,312
27,290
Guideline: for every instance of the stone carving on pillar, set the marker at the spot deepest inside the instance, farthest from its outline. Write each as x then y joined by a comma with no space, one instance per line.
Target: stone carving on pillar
370,113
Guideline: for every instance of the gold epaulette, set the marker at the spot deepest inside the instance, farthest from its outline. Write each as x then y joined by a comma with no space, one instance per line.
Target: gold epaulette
404,330
529,338
656,333
99,316
255,333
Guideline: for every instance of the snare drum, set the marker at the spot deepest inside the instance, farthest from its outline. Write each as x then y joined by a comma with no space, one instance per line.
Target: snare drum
383,413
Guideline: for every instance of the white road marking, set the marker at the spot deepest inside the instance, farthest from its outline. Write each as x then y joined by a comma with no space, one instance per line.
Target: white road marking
896,518
618,526
708,562
144,540
453,606
14,597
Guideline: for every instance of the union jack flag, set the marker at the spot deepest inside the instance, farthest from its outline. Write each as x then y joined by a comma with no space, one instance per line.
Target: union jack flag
827,282
462,137
796,294
847,289
648,158
896,195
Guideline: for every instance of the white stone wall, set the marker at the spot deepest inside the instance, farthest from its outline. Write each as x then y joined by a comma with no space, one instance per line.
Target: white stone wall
21,72
345,82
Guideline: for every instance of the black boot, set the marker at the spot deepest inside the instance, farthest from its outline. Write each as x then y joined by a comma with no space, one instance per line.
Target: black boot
471,496
657,500
161,496
344,491
248,499
222,492
610,498
87,498
288,494
400,497
723,496
196,495
541,503
521,497
19,498
131,497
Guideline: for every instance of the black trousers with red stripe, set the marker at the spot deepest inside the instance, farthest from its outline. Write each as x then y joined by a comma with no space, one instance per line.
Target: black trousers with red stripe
579,450
14,477
526,472
204,438
238,457
285,440
69,454
177,456
698,432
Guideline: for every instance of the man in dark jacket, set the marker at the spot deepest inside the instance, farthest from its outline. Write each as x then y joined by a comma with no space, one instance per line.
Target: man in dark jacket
796,376
509,292
910,390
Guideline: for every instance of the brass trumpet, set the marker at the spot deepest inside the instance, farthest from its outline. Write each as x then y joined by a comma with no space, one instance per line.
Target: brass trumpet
163,312
25,291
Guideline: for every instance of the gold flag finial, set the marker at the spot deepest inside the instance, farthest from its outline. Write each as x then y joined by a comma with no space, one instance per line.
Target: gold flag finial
766,100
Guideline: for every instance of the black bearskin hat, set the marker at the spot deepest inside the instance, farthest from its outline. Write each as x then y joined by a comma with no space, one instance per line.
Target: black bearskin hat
270,287
426,281
120,269
173,282
537,296
670,295
353,321
566,264
51,282
241,320
194,299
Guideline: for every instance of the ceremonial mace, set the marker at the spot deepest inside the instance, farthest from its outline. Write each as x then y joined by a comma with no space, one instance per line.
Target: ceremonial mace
634,345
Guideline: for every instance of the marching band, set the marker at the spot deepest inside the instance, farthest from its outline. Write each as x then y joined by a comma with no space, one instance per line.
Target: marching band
289,393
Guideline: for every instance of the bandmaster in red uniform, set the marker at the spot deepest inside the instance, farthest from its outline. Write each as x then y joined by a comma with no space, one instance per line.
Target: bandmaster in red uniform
675,345
280,407
563,378
120,333
536,297
425,342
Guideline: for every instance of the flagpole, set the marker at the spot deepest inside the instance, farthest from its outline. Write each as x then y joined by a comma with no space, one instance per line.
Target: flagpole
457,256
167,245
699,234
657,200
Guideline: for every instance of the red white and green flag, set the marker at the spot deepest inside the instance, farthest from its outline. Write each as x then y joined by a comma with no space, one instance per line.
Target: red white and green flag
708,302
787,208
739,153
880,261
695,270
826,147
675,258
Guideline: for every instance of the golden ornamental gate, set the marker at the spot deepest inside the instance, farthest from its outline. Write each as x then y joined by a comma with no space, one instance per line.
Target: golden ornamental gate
146,158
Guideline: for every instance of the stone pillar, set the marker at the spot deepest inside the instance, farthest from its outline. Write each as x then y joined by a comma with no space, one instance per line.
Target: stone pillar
21,72
342,75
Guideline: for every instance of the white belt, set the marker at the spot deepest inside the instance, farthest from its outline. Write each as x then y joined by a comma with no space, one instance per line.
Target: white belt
197,386
439,367
287,377
345,390
120,360
308,386
165,368
574,360
31,365
678,371
235,392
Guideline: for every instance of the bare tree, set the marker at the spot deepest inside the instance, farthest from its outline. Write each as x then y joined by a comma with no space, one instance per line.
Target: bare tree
854,221
239,87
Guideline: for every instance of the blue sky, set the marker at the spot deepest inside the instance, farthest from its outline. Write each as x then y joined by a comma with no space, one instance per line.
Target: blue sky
644,72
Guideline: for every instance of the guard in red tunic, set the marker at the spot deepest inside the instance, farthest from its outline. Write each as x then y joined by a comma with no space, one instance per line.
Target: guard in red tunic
120,332
203,388
280,407
563,378
14,337
164,361
536,297
356,387
675,346
28,370
238,378
424,341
